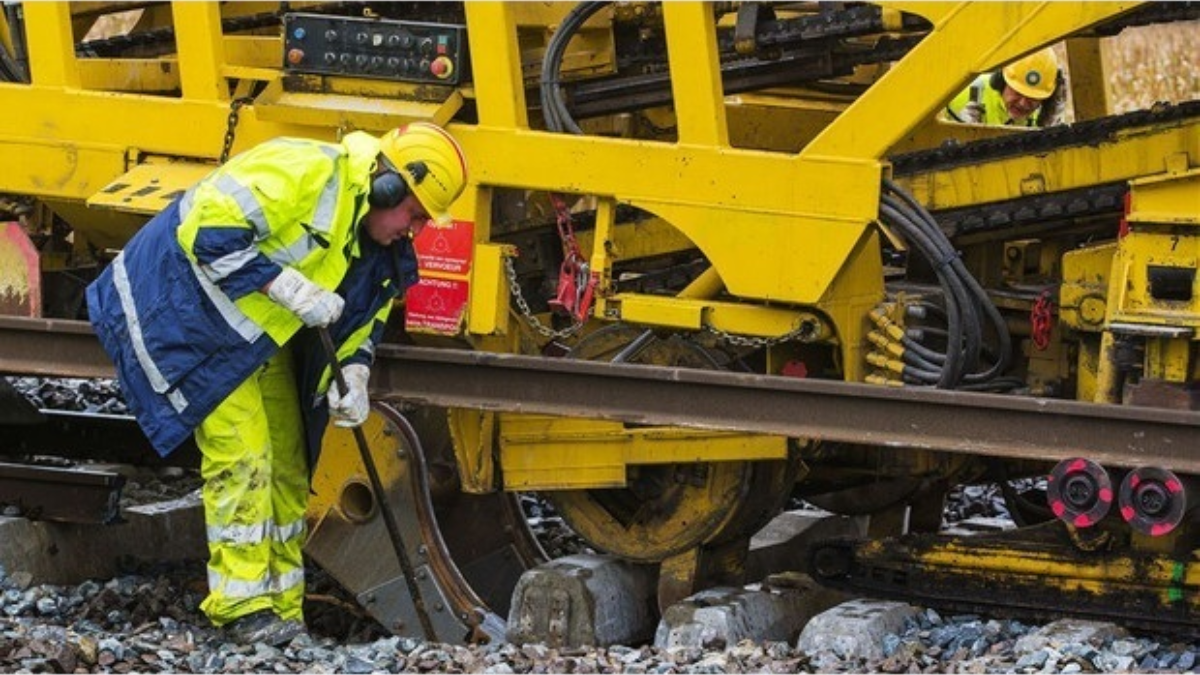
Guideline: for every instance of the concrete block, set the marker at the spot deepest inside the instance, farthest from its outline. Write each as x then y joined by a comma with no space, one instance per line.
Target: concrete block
584,600
1067,632
63,553
855,629
719,618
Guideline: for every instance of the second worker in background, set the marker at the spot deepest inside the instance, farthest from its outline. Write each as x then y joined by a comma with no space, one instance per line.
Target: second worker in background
1028,92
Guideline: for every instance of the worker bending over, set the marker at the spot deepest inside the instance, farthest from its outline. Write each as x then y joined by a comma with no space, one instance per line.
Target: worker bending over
209,314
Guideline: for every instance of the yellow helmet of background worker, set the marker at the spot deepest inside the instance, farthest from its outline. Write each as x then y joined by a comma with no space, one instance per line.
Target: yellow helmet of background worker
1033,76
431,163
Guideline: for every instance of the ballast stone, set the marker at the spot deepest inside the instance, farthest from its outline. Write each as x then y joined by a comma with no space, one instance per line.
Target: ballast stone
855,629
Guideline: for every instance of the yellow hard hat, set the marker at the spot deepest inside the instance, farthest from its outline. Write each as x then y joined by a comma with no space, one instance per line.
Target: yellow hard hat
1033,76
431,163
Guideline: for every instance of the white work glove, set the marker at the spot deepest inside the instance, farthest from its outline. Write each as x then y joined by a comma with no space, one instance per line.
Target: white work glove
971,113
314,305
351,409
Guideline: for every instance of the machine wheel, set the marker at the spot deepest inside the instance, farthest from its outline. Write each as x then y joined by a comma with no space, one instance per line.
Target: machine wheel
668,509
665,510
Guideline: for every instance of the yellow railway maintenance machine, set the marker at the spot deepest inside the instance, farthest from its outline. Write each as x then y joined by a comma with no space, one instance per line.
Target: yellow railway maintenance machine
753,193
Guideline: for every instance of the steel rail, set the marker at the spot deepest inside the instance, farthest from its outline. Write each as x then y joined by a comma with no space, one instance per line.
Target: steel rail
951,421
51,348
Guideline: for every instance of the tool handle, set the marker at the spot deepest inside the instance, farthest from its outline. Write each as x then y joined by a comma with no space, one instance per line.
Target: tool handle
331,355
389,519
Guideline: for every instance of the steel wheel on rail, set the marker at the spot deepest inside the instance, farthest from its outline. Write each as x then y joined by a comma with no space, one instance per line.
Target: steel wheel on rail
667,509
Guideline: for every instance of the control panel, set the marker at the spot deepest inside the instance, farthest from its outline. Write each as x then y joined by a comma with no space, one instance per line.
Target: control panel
408,51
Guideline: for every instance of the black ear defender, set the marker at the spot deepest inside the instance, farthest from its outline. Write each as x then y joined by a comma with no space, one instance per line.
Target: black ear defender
388,189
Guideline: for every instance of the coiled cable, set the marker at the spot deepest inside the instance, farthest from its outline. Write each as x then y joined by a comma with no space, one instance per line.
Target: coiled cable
968,309
554,105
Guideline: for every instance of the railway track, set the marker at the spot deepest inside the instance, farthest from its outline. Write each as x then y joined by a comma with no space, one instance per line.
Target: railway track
951,421
467,557
462,556
1022,225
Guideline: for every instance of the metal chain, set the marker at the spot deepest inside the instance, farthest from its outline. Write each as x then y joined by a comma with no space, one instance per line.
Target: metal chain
515,289
1041,321
231,125
756,342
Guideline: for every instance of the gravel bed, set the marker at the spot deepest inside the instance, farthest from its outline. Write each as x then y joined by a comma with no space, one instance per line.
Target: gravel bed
149,620
100,395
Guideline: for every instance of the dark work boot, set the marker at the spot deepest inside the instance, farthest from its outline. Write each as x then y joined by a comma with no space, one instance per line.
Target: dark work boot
265,627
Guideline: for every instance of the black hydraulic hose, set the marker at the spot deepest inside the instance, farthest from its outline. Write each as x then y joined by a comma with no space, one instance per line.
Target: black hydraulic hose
916,360
914,344
554,107
980,296
952,369
7,67
996,384
943,255
924,352
948,255
12,68
924,375
961,297
926,306
999,326
932,355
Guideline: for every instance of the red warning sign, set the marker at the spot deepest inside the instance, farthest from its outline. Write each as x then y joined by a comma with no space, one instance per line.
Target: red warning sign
446,249
435,305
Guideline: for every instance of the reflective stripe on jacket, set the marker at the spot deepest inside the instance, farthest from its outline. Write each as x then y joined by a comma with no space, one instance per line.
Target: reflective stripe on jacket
288,201
180,311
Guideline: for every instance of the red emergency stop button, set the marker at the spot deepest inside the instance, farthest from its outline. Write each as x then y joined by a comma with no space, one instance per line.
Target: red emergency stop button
442,67
295,56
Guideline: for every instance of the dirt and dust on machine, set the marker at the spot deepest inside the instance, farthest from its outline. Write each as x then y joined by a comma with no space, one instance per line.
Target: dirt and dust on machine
713,260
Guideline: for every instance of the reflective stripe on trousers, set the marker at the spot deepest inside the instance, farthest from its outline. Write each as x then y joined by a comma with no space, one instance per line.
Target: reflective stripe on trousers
255,492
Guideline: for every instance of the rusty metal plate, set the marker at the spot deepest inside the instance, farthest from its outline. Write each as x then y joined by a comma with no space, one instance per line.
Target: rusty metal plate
64,495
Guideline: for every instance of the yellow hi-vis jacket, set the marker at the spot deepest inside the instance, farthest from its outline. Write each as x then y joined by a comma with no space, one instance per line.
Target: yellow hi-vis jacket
181,311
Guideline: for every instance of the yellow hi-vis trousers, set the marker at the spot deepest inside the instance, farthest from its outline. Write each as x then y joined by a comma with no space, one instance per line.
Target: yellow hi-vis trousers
255,491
